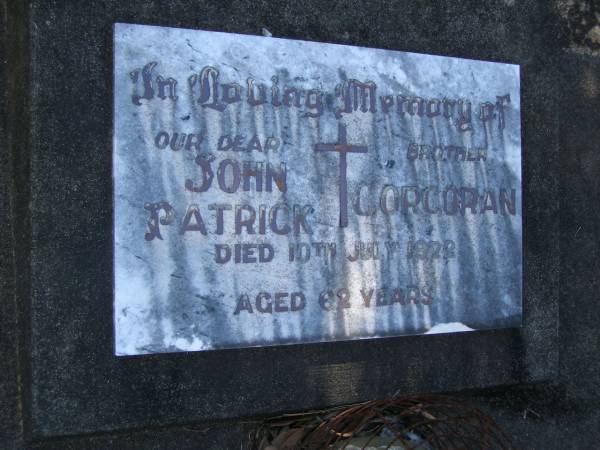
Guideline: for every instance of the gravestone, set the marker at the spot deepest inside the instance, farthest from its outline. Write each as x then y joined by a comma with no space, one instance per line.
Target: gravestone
270,191
408,186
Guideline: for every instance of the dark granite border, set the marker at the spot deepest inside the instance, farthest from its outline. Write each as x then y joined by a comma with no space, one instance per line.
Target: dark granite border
14,207
79,386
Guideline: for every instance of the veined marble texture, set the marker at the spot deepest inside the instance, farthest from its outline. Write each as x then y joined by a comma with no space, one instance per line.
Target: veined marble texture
271,191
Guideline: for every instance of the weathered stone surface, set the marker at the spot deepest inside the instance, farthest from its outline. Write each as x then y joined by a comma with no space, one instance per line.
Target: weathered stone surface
272,191
74,384
580,233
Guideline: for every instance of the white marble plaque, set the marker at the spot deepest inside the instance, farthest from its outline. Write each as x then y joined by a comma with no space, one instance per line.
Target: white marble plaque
271,191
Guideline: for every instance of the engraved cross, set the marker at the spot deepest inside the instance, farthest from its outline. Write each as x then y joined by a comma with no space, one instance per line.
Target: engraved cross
343,148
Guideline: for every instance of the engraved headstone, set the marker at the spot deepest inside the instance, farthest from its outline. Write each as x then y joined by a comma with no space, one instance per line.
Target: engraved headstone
271,191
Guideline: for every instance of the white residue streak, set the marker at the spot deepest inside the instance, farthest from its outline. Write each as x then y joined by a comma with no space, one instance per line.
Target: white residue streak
451,327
